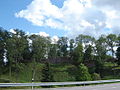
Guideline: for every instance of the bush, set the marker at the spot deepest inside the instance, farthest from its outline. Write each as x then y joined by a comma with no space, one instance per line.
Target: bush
63,76
82,73
96,76
2,80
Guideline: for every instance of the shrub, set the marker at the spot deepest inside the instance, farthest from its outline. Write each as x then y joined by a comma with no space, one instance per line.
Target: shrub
63,76
82,73
96,76
2,80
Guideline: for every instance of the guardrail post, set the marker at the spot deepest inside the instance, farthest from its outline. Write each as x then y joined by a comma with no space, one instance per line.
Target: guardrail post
32,84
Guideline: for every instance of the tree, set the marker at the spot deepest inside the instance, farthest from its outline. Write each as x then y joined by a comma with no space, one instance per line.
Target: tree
1,48
82,73
88,54
111,41
118,55
118,51
47,75
53,51
98,65
4,35
101,47
39,50
15,46
85,39
71,47
118,38
39,47
101,51
78,54
62,45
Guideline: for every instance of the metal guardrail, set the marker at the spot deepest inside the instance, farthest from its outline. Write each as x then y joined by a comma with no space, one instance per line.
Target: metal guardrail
56,83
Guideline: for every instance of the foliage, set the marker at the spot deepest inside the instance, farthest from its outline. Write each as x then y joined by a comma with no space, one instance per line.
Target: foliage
39,47
2,80
63,45
4,35
53,51
47,75
78,54
99,65
63,76
88,55
101,49
83,73
96,76
21,56
118,55
71,47
111,41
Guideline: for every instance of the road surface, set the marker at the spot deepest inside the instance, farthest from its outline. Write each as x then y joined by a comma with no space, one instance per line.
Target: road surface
115,86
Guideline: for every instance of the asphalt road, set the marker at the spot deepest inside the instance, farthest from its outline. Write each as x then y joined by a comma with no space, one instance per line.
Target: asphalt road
115,86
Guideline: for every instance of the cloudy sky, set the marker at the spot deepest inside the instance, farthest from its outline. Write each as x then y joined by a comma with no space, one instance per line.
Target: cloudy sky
62,17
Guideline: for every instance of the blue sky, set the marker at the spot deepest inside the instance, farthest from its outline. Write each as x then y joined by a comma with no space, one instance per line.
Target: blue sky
8,8
61,17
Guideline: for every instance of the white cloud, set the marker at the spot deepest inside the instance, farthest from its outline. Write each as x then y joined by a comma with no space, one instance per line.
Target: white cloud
115,4
111,9
54,39
12,31
90,17
38,11
44,34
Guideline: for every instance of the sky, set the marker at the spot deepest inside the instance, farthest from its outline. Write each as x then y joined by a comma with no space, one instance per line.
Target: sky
61,17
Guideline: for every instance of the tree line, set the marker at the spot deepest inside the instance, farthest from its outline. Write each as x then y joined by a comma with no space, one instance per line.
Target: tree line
88,54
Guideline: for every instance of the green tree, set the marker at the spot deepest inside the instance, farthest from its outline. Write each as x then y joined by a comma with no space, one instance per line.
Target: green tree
101,49
72,42
53,51
118,39
85,39
78,54
88,55
118,55
15,46
47,75
4,35
39,50
111,41
99,65
1,48
83,73
62,45
39,47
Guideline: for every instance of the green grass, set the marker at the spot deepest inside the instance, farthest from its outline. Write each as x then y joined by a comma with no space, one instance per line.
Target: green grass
24,74
117,67
62,73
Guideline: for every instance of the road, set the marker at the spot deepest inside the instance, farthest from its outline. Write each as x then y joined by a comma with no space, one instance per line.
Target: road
115,86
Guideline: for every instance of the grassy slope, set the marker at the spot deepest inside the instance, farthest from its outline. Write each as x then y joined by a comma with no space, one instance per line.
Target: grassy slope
60,72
